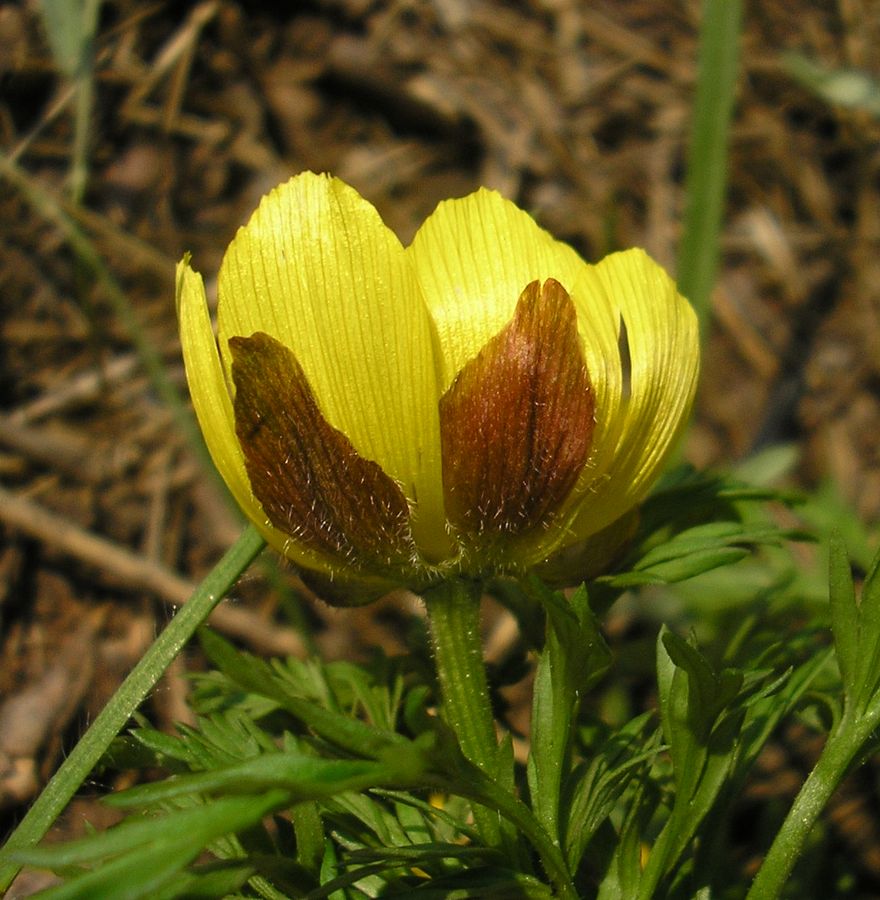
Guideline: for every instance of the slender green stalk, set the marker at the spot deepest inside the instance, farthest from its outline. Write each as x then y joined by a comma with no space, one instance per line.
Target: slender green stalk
840,750
707,159
71,26
85,88
79,172
127,698
454,614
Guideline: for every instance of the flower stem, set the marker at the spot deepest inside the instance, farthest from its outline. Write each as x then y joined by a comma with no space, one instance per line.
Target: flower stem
840,750
454,614
88,751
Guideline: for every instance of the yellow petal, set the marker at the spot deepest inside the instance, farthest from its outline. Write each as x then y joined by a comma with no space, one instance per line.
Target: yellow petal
316,269
639,412
213,406
207,384
474,256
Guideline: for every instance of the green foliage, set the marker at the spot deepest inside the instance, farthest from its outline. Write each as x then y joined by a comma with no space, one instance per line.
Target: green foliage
257,786
695,523
149,855
340,780
116,713
852,731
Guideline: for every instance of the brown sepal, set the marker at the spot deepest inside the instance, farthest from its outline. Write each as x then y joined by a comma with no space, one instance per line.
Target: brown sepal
310,480
517,422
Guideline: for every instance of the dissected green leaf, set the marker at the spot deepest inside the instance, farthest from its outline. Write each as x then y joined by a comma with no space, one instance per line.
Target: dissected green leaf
717,765
708,692
309,830
143,872
595,788
855,625
686,497
702,713
304,777
447,815
373,821
680,569
768,709
187,830
257,676
697,550
206,882
624,873
163,745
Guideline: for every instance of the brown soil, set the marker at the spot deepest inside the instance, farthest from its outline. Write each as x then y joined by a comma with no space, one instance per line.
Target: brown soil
579,111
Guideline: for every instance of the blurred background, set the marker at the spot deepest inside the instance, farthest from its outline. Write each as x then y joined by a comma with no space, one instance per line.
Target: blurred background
133,132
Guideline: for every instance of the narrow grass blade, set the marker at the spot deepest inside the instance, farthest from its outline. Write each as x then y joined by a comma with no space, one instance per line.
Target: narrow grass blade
127,698
707,160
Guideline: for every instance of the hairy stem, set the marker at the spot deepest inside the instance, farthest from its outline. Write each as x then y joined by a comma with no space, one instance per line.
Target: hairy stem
454,615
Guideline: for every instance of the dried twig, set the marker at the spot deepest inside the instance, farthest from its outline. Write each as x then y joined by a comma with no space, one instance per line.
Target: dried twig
81,388
66,451
29,718
136,572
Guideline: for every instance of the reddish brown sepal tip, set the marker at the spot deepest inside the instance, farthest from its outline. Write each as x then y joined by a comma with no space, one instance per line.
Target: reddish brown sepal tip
517,422
309,479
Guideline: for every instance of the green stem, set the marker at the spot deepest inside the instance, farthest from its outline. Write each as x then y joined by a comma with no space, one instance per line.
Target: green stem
840,750
84,78
88,751
454,613
707,156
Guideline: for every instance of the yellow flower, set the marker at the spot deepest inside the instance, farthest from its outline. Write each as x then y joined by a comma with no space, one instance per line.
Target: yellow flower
472,403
